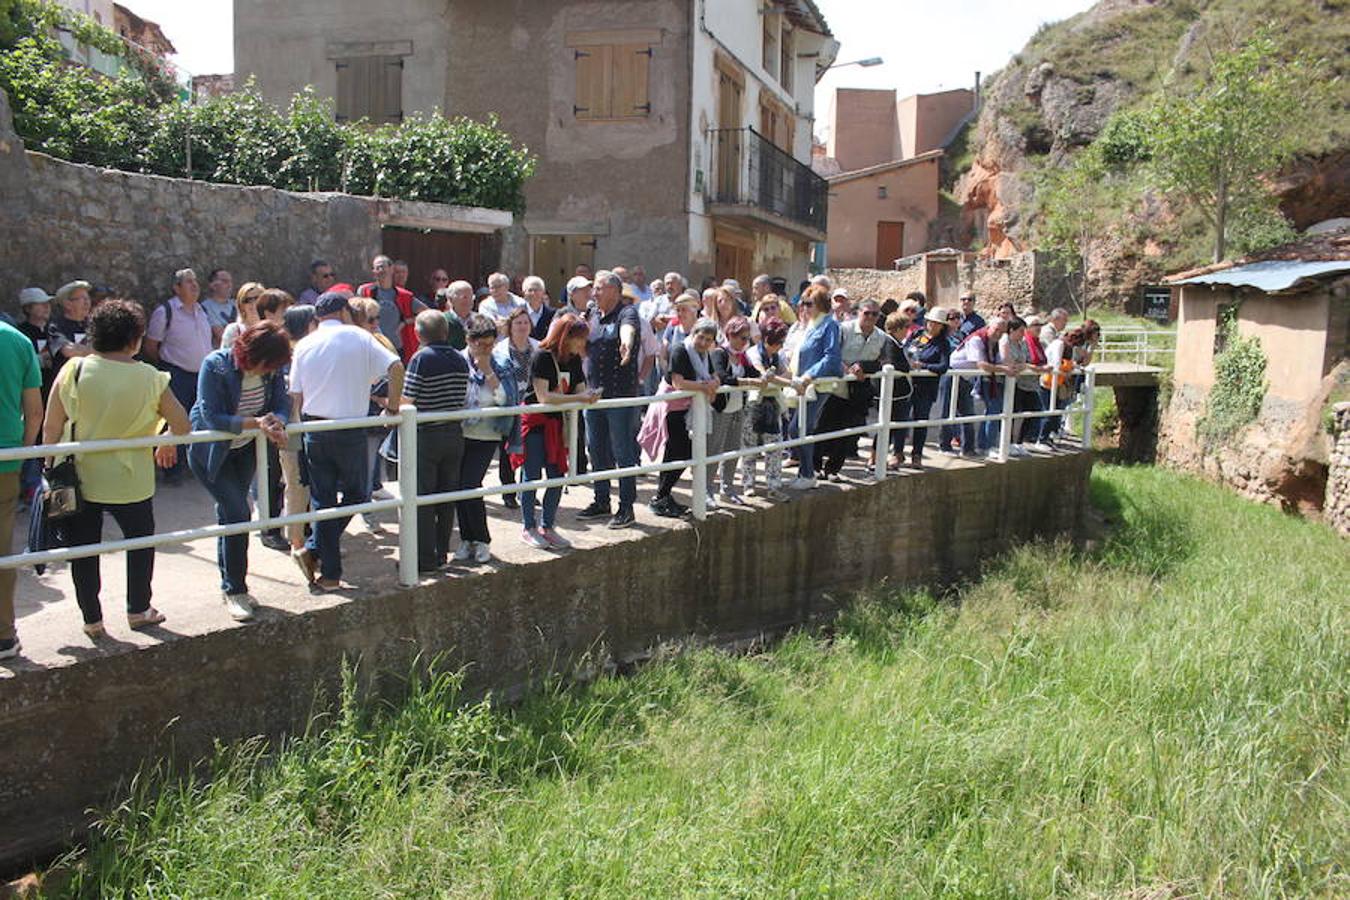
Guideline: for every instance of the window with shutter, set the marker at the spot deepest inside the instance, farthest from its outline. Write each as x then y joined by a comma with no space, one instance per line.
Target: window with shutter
371,88
613,73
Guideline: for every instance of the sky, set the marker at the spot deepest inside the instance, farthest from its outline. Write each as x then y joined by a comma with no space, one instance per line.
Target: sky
927,45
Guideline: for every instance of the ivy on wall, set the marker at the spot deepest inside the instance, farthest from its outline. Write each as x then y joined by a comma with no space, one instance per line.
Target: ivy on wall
1239,384
134,122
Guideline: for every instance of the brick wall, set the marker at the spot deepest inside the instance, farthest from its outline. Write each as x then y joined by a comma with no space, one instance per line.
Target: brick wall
1026,280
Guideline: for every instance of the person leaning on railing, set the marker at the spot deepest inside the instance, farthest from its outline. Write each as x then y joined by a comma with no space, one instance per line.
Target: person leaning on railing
1059,361
927,351
860,342
732,367
437,382
816,356
1014,353
666,426
239,388
763,422
555,377
331,374
893,354
110,395
298,320
492,382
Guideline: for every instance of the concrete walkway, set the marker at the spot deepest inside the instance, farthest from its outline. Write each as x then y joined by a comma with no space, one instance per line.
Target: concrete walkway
187,582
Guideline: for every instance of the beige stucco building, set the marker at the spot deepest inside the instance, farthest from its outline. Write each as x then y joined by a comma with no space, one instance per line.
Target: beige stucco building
675,134
882,159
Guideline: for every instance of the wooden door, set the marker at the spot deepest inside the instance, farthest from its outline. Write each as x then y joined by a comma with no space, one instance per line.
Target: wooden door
890,243
734,261
556,257
943,287
424,251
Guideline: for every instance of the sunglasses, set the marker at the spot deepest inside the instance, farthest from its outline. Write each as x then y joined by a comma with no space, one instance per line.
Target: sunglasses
950,318
870,314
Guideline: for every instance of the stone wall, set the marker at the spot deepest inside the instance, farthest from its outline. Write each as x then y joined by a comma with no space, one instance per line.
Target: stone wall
71,733
64,221
1027,280
1337,504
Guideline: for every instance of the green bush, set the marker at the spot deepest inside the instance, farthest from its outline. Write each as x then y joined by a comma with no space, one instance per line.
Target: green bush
1239,387
134,122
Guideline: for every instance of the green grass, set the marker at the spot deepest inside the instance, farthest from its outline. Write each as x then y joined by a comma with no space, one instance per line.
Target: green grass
1167,711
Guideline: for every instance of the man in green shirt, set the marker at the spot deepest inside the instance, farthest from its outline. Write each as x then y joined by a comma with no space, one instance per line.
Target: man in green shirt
20,419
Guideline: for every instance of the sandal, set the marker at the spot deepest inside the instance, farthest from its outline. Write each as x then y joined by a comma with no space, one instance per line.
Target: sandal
95,629
151,616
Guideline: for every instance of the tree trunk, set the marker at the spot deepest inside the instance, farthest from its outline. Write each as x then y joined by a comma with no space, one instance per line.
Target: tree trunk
1221,218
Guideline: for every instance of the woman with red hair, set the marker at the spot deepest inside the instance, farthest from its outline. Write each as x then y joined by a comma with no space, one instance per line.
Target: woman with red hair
555,377
238,389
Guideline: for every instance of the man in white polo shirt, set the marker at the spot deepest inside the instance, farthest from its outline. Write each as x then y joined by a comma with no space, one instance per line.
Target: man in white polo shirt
331,373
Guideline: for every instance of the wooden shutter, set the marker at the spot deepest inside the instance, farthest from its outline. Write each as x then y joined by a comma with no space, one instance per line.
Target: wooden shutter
593,80
387,85
631,68
353,88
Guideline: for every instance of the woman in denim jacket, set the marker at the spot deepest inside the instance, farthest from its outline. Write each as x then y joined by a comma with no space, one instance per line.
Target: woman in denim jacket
818,356
492,382
237,390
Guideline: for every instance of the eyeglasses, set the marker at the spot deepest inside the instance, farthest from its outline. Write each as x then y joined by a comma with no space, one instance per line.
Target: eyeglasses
950,318
870,313
324,274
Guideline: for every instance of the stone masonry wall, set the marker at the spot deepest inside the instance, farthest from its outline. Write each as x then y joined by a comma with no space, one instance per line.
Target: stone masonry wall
131,232
1025,280
73,733
1337,506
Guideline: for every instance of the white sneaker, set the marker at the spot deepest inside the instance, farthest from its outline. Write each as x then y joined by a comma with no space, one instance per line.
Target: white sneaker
802,484
464,552
991,453
239,607
533,539
482,552
1018,450
711,502
381,494
731,498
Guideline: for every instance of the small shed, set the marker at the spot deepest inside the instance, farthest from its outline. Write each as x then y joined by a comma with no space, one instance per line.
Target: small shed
1295,300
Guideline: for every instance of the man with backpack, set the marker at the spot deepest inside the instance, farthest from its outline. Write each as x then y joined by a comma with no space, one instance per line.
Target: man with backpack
398,307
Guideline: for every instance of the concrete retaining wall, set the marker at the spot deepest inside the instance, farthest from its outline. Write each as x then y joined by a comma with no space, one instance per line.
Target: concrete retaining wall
71,733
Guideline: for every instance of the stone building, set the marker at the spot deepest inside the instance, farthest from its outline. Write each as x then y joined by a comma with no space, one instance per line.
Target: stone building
671,133
882,159
141,32
1295,300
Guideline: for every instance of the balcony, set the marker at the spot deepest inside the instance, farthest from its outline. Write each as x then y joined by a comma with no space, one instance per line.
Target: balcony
756,181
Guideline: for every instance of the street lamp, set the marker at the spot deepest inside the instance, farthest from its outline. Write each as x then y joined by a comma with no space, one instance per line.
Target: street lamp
865,63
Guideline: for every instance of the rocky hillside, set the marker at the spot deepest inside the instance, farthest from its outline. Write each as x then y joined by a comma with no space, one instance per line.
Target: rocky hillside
1055,96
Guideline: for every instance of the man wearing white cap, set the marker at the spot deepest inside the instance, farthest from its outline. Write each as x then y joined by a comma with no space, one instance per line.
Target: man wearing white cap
69,328
578,295
840,306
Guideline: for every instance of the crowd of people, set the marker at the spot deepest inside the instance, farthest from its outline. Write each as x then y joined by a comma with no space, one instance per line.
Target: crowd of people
86,367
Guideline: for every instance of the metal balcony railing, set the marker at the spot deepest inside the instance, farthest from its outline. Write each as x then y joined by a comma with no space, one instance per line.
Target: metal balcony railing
748,170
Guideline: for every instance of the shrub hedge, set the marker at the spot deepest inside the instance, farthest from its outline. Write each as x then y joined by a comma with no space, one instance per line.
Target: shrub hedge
135,123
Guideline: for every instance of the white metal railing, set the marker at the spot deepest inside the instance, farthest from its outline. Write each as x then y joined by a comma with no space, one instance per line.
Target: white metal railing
1135,344
408,420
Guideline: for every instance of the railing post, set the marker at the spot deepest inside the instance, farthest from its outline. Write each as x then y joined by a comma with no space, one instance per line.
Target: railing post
573,441
698,433
1045,421
407,492
263,479
883,447
1005,425
1089,401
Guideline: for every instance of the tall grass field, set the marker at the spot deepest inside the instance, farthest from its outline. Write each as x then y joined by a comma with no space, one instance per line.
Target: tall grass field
1164,715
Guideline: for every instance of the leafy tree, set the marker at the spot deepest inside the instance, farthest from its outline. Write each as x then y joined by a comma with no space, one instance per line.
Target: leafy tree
1079,214
1211,145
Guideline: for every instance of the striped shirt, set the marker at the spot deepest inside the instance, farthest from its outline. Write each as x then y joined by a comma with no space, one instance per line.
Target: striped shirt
437,379
252,402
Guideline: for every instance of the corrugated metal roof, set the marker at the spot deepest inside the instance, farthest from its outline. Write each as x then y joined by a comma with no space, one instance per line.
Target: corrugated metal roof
1271,275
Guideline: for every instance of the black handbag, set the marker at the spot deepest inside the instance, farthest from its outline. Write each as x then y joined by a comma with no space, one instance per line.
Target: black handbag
63,498
764,418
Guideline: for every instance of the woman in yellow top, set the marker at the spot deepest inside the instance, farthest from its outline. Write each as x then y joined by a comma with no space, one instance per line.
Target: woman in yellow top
105,396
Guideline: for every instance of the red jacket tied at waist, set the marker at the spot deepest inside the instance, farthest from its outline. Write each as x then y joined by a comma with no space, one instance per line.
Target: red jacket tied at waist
555,448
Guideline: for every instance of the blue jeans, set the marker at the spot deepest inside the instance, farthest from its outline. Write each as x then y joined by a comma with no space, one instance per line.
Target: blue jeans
183,385
611,442
338,463
965,406
806,453
230,490
992,407
1050,425
535,464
